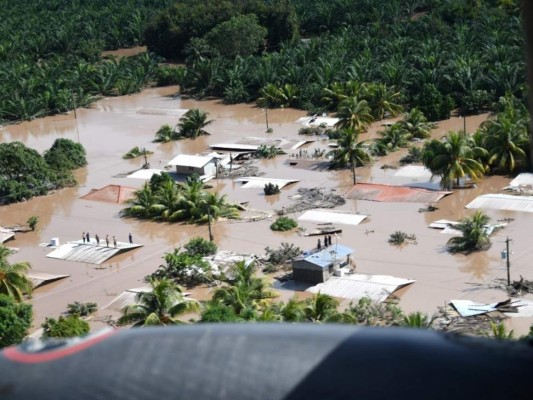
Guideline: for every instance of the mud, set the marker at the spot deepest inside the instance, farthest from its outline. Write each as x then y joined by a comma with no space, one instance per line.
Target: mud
112,126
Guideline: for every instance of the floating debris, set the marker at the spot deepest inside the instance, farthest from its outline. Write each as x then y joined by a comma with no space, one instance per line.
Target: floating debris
310,198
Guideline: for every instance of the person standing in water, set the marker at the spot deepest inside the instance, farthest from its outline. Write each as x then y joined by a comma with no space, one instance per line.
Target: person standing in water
130,238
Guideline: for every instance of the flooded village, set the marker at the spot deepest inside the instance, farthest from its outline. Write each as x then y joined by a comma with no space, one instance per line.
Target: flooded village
111,127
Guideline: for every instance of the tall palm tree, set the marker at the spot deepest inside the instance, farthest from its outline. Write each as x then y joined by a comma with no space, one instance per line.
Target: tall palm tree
293,310
140,206
321,308
454,158
160,306
354,114
192,124
395,137
383,100
13,280
416,123
474,235
350,152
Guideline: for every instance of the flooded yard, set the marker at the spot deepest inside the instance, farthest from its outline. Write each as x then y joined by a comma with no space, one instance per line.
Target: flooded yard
112,126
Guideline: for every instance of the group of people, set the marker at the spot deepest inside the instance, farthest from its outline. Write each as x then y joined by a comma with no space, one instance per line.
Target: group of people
86,237
327,242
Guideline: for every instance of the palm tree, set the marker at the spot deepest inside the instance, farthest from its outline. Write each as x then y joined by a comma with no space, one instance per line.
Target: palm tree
192,124
140,206
394,137
321,308
164,134
354,114
350,152
474,235
383,100
454,158
293,310
499,332
417,124
13,280
160,306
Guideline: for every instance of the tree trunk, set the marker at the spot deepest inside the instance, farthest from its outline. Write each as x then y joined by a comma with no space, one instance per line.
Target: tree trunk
353,171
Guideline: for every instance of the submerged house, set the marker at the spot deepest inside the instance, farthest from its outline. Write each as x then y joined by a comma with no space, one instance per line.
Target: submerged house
186,164
319,266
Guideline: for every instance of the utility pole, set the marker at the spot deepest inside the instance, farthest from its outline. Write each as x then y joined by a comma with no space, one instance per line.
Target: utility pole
75,115
464,125
508,261
266,117
209,223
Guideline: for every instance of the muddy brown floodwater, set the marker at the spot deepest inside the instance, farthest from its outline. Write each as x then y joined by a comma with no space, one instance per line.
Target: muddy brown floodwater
112,126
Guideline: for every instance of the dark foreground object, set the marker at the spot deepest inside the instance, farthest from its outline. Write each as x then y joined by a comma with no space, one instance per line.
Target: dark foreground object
271,362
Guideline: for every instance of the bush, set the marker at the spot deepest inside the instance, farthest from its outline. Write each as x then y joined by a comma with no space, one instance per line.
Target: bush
184,268
65,155
398,238
136,152
81,309
368,312
32,222
283,254
311,130
15,320
414,155
200,247
67,327
283,224
271,189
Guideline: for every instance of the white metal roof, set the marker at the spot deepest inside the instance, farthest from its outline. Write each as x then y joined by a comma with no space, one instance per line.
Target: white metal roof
126,298
41,278
318,121
175,112
234,146
90,253
332,216
503,202
413,171
442,224
523,179
256,182
145,173
357,286
187,160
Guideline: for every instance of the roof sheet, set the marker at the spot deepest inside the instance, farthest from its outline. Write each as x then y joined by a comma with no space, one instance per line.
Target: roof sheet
389,193
503,202
42,278
176,112
111,194
6,234
523,179
89,253
329,255
234,146
126,298
414,171
318,121
256,182
145,173
333,217
357,286
187,160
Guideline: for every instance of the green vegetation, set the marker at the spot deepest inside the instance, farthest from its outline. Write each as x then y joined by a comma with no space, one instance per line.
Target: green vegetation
283,224
161,306
65,327
32,222
280,257
15,320
474,235
192,124
414,155
417,320
200,247
500,332
351,152
24,173
13,280
269,152
136,152
81,309
398,238
271,189
162,199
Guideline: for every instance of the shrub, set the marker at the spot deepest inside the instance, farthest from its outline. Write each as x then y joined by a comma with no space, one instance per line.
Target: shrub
200,247
136,152
414,155
32,222
283,224
311,130
368,312
398,238
67,327
81,309
283,254
65,155
271,189
15,320
184,268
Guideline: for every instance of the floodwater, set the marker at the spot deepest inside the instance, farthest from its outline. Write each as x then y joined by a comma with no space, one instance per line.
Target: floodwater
112,126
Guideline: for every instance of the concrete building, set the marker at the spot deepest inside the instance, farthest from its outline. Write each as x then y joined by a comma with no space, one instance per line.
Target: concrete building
186,164
318,267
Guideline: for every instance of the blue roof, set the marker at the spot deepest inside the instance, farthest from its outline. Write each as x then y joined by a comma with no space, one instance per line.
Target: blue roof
327,256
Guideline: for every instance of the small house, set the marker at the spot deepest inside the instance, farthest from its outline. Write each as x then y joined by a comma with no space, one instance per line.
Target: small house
319,266
189,165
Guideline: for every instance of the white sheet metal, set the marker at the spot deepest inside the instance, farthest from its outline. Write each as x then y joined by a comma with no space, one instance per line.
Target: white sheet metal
41,278
328,122
357,286
525,308
442,224
90,253
126,298
187,160
6,234
234,146
332,217
256,182
468,308
144,173
523,179
502,202
175,112
413,171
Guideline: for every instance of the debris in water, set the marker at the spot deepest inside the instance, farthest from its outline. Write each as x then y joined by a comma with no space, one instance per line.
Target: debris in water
310,198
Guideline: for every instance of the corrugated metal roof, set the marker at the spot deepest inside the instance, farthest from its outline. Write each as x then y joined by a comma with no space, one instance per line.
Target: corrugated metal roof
144,173
256,182
42,278
389,193
90,253
329,255
175,112
503,202
333,217
523,179
111,194
126,298
318,121
442,224
468,308
234,146
187,160
6,234
414,171
357,286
